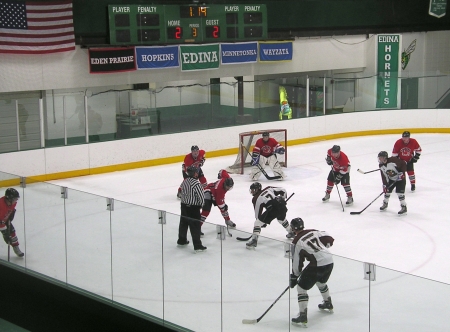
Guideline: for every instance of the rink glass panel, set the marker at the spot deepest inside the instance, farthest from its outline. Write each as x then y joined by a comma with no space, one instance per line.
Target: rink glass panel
44,239
419,305
137,261
89,247
192,281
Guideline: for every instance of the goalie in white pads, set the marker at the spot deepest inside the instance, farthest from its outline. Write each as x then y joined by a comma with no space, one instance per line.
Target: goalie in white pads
265,150
269,203
310,245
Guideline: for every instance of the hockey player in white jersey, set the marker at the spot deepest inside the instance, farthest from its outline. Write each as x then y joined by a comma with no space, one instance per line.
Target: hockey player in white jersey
269,203
310,245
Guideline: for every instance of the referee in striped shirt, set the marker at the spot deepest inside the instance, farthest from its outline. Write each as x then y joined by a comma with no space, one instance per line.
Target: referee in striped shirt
192,199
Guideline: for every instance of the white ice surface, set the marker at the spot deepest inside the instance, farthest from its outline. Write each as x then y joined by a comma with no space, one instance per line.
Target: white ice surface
415,244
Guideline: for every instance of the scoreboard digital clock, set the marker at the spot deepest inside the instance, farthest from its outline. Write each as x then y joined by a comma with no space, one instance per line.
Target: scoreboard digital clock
173,24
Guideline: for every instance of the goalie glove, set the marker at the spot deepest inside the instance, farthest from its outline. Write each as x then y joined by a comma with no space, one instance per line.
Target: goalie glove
337,178
280,150
255,159
329,161
415,158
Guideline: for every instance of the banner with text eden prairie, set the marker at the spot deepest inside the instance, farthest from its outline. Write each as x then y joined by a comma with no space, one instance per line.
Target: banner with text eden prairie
199,57
275,51
111,60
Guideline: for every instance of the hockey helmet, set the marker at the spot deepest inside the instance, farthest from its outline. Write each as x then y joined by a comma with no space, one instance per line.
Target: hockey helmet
406,134
382,157
255,187
194,148
297,224
336,149
192,171
265,134
228,183
11,194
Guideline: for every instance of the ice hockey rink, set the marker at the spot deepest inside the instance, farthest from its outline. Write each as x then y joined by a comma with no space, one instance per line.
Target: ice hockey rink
216,289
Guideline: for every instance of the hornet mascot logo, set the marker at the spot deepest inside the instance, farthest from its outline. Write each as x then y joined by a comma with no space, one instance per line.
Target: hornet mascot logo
406,55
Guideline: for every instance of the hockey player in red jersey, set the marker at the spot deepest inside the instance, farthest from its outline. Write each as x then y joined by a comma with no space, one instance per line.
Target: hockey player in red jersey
7,211
409,150
215,195
393,176
265,150
340,173
196,158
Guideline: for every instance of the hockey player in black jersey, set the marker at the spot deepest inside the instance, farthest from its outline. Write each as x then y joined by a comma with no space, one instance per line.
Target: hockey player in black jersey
269,203
393,176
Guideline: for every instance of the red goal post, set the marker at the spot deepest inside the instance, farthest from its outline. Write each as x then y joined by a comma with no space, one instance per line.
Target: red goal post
248,139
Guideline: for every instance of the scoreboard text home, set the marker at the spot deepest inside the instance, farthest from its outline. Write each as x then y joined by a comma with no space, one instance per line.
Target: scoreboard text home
173,24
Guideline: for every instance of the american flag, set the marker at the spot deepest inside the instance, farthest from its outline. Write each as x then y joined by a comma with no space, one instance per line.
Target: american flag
36,27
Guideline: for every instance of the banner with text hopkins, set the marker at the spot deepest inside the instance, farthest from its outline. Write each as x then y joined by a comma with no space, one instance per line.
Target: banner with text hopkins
154,57
388,64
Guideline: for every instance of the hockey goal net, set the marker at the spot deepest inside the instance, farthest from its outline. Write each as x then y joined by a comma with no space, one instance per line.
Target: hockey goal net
246,142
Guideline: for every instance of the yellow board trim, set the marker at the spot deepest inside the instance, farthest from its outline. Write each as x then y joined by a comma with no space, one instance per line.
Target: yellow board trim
218,153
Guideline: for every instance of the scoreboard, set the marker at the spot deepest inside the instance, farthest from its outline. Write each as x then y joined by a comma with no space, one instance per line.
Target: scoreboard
178,24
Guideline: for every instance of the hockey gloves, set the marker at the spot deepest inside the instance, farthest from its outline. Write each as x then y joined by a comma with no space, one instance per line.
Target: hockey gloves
255,159
293,280
11,216
328,160
280,150
6,235
415,158
337,178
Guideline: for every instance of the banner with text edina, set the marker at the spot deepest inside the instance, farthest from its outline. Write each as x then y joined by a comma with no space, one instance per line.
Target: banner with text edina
387,70
199,57
111,60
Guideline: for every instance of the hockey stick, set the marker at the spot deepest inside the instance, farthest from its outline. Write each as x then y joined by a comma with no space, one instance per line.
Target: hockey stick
337,188
248,238
354,212
254,321
362,172
276,177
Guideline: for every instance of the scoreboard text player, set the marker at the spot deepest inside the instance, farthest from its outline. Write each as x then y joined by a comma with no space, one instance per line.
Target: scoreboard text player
173,24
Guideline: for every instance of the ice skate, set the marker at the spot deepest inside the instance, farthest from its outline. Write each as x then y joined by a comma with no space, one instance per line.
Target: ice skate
384,206
413,188
200,249
230,224
349,201
326,198
403,210
182,243
251,245
301,320
18,252
326,305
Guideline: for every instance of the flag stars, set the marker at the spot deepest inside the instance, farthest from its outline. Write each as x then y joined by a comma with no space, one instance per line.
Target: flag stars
13,15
